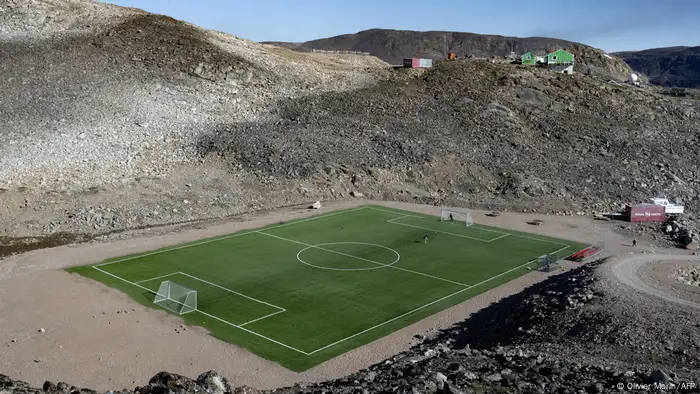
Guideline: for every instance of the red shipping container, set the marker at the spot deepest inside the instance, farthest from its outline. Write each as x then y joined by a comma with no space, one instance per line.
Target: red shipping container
413,62
646,213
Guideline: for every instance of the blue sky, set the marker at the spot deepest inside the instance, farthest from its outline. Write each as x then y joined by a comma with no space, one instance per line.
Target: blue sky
612,25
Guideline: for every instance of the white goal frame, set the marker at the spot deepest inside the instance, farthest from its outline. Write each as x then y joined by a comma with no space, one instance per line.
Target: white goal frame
464,217
176,297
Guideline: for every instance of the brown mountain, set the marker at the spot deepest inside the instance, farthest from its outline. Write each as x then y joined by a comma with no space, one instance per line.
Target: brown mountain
672,66
394,45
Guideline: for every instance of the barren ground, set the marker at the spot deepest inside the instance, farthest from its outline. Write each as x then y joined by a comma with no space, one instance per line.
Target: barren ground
652,276
97,337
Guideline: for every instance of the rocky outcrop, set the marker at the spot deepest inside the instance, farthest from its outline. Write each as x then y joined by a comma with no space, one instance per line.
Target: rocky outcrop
688,275
673,66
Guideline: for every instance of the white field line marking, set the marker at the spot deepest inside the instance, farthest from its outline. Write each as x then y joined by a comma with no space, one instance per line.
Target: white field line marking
478,228
400,217
209,315
540,240
439,231
364,259
260,318
386,210
317,217
388,321
157,277
426,305
234,292
393,221
497,238
238,234
254,333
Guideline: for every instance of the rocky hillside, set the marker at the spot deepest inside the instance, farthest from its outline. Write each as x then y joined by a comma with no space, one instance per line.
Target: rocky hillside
125,119
394,45
573,333
672,67
120,92
474,131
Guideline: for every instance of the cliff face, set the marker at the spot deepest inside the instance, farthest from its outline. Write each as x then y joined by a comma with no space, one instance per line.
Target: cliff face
671,67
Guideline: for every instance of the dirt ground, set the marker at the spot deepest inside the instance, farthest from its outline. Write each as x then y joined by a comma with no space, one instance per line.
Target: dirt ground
651,274
97,337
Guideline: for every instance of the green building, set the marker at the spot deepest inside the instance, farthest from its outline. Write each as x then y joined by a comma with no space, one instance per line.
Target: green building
528,58
560,57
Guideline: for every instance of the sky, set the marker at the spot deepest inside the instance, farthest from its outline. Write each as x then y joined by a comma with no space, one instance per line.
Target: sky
612,25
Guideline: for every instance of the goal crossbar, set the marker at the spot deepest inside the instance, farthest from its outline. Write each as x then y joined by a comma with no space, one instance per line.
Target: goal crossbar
176,297
447,215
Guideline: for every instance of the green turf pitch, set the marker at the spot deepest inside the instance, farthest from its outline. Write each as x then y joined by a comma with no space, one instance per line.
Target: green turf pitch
305,291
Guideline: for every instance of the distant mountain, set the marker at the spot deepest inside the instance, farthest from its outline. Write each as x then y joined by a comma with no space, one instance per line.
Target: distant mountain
672,66
394,45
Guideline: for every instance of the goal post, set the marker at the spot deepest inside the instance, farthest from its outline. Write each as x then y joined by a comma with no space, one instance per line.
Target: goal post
176,297
547,262
447,215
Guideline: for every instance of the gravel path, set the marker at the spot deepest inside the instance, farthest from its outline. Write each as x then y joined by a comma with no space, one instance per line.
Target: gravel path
650,274
97,337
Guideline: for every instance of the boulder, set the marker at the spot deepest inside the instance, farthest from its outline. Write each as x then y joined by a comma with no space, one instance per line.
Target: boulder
213,383
171,382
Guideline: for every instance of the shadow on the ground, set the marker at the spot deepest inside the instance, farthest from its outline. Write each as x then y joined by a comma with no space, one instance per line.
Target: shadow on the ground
513,319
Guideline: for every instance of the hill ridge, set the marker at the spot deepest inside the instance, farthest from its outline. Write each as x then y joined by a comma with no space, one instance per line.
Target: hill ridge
393,45
670,66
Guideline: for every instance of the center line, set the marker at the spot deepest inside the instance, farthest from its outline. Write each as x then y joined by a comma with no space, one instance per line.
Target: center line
364,259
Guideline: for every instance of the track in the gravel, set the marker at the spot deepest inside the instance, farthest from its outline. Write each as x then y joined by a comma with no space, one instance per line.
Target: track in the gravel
626,269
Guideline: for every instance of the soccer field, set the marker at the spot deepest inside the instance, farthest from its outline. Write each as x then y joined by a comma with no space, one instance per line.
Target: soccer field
302,292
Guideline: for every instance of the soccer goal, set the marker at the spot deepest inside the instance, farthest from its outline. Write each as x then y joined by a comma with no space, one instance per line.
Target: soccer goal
176,297
453,216
547,262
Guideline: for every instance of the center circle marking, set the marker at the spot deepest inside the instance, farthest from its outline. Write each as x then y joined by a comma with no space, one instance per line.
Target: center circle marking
398,256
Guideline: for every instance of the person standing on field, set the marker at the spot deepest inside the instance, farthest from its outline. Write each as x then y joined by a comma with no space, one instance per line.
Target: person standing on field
425,238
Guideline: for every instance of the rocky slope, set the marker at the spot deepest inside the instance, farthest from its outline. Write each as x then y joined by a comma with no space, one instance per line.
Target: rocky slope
577,332
671,67
394,45
97,98
97,102
478,132
125,119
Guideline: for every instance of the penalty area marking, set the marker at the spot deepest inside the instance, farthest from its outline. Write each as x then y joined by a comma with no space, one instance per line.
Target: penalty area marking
378,264
505,234
392,221
239,326
157,277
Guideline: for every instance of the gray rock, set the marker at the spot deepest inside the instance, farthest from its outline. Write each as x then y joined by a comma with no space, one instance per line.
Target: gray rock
213,383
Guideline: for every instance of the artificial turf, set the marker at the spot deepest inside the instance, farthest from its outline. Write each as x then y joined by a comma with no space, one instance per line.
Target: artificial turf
305,291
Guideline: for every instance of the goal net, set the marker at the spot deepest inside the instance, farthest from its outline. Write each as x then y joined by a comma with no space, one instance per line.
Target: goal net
453,216
547,262
176,297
